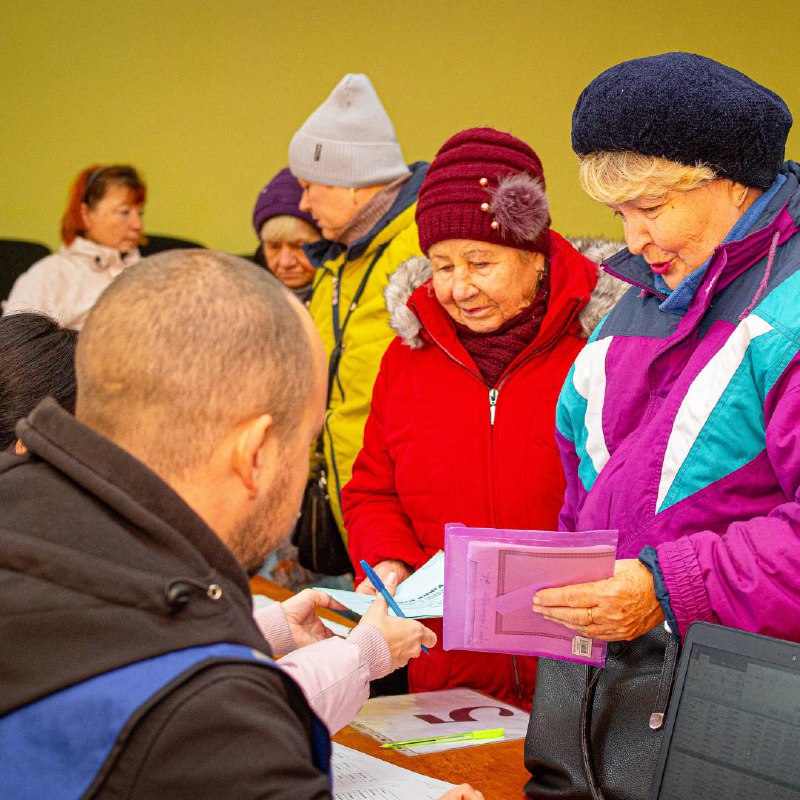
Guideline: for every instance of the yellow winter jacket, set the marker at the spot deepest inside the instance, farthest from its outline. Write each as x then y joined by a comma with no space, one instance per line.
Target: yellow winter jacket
367,333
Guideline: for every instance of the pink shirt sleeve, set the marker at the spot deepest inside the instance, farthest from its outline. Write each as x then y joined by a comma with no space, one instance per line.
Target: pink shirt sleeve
334,673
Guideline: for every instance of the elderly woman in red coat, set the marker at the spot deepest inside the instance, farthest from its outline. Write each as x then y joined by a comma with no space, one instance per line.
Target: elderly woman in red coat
463,411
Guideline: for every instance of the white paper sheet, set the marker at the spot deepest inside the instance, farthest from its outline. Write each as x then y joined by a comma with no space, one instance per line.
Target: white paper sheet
420,597
357,776
415,716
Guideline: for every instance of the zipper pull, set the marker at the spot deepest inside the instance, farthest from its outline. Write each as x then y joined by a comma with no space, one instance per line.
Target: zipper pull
335,296
492,404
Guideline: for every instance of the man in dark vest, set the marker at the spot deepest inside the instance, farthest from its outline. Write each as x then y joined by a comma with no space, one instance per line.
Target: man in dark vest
130,663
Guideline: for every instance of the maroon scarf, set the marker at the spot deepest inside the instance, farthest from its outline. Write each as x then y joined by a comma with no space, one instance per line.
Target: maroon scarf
494,351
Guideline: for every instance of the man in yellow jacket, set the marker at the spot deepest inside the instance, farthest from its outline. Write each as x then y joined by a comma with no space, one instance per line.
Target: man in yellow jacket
363,197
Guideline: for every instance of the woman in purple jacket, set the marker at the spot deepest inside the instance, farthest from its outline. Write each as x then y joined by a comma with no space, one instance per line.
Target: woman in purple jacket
678,421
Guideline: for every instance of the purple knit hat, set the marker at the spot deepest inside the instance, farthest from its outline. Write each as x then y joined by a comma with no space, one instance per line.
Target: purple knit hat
281,196
485,185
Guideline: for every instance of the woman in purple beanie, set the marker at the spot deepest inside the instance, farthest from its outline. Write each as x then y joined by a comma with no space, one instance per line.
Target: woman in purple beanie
283,229
677,424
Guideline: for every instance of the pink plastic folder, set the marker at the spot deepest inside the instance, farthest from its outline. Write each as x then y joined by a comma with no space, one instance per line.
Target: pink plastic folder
491,576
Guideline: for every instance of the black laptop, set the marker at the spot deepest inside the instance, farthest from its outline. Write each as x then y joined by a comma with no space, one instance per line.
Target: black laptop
733,725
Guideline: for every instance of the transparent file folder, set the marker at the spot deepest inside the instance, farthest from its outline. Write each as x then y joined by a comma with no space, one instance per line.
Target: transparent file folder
491,576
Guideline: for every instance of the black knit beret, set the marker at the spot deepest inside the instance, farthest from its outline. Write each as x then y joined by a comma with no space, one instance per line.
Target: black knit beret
689,109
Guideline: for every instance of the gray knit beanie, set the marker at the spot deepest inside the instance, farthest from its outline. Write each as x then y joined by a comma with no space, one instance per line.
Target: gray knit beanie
348,141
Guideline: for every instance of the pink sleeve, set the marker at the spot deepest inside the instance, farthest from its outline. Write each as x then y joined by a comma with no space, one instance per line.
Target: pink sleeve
334,674
274,627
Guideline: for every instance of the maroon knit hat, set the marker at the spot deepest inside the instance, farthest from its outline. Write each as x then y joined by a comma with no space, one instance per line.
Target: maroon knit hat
488,186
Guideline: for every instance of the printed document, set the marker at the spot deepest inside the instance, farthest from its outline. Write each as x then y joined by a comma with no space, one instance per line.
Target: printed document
357,776
421,596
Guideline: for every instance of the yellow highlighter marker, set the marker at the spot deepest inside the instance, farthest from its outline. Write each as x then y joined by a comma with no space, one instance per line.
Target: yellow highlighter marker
488,733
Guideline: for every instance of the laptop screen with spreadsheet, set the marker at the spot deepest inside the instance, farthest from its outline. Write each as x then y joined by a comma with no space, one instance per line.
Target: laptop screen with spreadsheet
733,731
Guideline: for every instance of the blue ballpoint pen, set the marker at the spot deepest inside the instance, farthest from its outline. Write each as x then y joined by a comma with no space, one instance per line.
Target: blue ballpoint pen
379,587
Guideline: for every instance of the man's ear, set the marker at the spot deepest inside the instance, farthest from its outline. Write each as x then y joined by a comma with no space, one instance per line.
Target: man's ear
247,459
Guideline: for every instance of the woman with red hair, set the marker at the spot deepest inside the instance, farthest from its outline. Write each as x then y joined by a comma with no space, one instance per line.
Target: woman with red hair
101,229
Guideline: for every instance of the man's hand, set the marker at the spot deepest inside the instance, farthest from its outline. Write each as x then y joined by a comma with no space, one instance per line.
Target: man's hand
404,636
382,570
614,609
304,623
462,792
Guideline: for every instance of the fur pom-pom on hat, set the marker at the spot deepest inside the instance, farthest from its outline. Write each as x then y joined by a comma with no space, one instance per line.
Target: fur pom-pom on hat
488,186
519,205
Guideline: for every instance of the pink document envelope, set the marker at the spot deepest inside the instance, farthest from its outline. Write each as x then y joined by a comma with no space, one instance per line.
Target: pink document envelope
498,580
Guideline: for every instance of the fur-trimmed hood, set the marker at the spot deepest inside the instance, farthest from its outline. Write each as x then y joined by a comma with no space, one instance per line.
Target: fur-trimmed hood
413,273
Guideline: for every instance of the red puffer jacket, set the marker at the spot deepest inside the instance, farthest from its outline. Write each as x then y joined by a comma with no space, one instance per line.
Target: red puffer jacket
441,446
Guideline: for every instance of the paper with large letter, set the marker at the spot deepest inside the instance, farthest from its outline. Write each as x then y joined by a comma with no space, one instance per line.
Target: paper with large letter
416,716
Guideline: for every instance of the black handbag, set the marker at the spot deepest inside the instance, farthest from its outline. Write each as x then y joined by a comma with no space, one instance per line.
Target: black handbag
320,547
316,535
595,734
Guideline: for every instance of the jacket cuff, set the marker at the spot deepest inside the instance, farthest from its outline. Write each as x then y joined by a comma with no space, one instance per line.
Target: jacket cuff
683,581
374,649
274,627
649,558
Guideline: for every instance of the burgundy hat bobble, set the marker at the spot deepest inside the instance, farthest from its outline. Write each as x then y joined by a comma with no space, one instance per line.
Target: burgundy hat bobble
488,186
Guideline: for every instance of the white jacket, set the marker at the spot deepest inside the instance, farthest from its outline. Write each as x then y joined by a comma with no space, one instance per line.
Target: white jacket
67,284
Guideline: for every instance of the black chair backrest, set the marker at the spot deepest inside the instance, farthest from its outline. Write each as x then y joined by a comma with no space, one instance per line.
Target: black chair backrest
157,244
15,257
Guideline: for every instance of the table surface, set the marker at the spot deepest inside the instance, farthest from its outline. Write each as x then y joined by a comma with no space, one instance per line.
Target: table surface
496,769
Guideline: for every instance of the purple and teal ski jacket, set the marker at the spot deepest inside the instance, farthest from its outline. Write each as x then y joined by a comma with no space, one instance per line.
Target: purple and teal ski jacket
684,431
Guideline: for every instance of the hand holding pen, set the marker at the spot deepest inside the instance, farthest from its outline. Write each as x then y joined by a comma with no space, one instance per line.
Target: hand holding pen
406,637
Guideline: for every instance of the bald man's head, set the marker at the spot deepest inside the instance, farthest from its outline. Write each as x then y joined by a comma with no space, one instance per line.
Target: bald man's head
183,347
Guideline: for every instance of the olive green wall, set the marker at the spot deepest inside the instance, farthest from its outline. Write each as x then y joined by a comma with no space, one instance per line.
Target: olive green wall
203,96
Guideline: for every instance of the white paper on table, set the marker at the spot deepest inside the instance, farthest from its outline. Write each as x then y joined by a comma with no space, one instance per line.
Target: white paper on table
416,716
421,596
262,601
357,776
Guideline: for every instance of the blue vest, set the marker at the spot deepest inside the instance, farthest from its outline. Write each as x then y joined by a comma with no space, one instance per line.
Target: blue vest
56,747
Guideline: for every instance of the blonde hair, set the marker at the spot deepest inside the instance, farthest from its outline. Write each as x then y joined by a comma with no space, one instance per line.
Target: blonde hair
621,176
286,228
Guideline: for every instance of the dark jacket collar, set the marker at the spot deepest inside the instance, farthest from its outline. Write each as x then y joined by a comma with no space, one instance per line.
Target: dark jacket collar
127,486
325,250
102,564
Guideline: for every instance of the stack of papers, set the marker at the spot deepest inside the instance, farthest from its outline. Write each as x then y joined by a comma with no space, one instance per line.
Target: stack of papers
420,596
492,575
415,716
357,776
